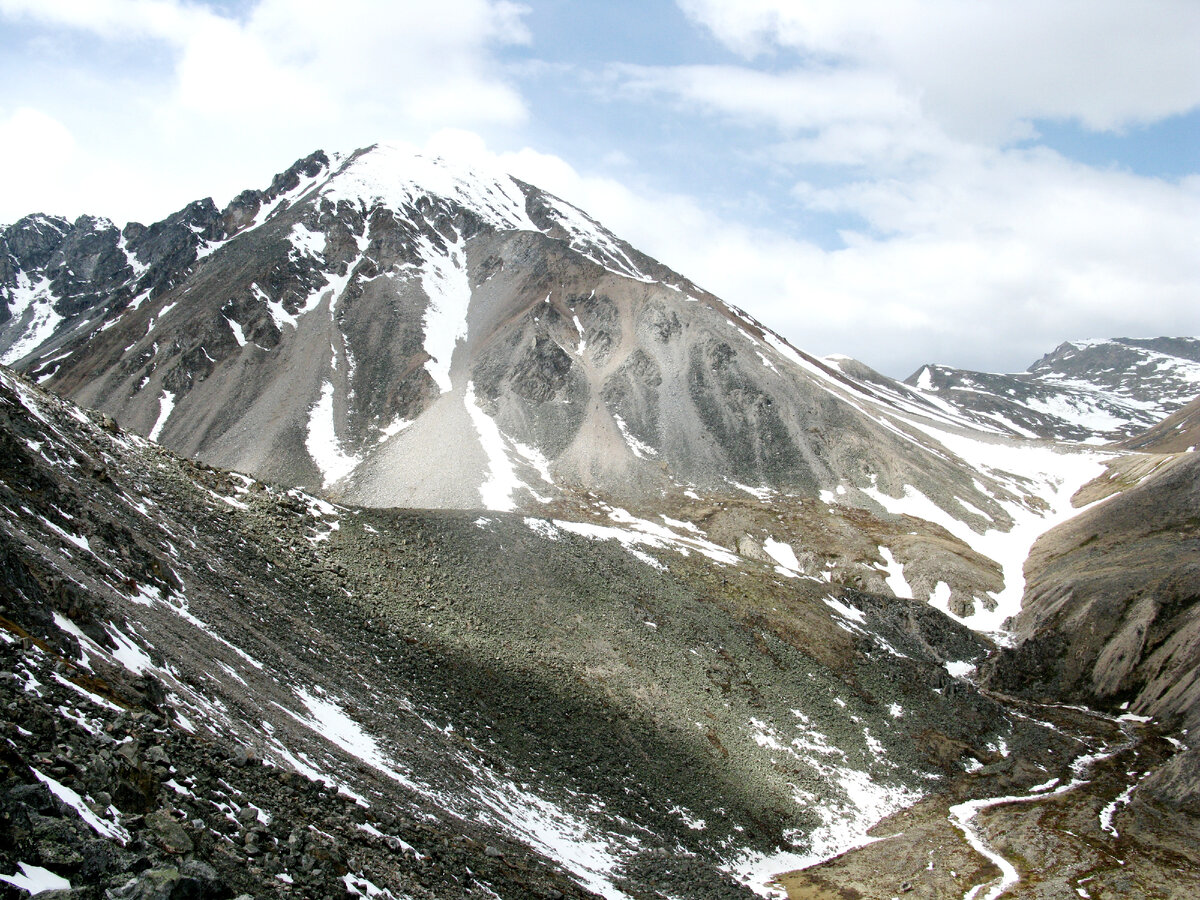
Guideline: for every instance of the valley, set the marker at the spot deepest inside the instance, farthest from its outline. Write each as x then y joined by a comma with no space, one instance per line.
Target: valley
398,531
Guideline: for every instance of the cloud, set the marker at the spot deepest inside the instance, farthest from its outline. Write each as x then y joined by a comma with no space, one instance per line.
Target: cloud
429,62
795,100
35,151
213,96
980,68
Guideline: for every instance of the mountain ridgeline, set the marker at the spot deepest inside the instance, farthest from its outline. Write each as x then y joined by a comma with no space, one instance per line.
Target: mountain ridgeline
342,328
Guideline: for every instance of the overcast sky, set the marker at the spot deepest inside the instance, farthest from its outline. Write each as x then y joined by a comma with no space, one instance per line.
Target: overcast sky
903,181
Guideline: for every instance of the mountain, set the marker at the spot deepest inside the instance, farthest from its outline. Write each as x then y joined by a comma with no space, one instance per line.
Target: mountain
402,331
218,687
1110,612
339,334
1092,391
1177,433
547,573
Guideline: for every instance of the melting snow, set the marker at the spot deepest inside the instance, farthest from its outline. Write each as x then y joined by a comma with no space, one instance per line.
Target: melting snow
1051,474
496,493
328,719
895,579
71,798
322,441
444,278
238,334
591,857
960,668
639,449
35,879
166,404
307,243
36,301
844,822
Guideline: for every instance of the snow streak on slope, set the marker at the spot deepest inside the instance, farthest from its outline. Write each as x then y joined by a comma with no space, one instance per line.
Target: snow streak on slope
496,493
166,406
1047,476
35,302
322,441
444,278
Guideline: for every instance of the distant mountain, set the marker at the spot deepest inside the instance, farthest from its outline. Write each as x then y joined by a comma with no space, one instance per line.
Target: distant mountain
1090,391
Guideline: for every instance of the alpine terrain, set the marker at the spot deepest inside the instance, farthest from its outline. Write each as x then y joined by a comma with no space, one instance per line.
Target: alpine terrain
399,531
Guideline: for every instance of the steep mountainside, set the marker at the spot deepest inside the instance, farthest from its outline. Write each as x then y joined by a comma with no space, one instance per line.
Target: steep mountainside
652,721
401,331
389,306
1177,433
1111,613
1094,391
625,595
217,687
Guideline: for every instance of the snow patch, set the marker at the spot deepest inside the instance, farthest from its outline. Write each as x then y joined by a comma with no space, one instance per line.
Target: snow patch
496,493
102,827
782,553
444,279
895,579
638,448
35,879
35,303
322,441
166,405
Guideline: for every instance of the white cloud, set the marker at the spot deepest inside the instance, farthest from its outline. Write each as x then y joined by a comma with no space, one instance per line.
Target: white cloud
243,96
35,151
982,67
800,99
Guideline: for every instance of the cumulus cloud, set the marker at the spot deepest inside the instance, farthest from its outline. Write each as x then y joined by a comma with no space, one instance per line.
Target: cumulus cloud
902,118
281,79
983,66
35,150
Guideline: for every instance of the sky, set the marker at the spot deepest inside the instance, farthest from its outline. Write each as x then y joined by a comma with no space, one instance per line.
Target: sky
969,182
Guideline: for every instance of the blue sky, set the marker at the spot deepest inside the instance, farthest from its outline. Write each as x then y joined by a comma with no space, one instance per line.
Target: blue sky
903,181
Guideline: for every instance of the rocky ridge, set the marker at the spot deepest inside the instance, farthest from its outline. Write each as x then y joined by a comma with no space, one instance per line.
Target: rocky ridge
1092,391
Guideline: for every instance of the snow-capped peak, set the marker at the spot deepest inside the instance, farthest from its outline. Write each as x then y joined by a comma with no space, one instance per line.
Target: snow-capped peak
392,175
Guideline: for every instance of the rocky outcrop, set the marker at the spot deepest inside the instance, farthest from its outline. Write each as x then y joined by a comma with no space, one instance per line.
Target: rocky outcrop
1112,605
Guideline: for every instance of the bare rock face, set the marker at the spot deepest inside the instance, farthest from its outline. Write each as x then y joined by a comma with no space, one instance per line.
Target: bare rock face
1111,613
1177,784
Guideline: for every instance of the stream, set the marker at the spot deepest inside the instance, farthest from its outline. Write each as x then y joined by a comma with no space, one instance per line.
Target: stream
962,814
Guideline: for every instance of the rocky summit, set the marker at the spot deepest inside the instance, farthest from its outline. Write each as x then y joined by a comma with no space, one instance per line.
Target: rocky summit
399,531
